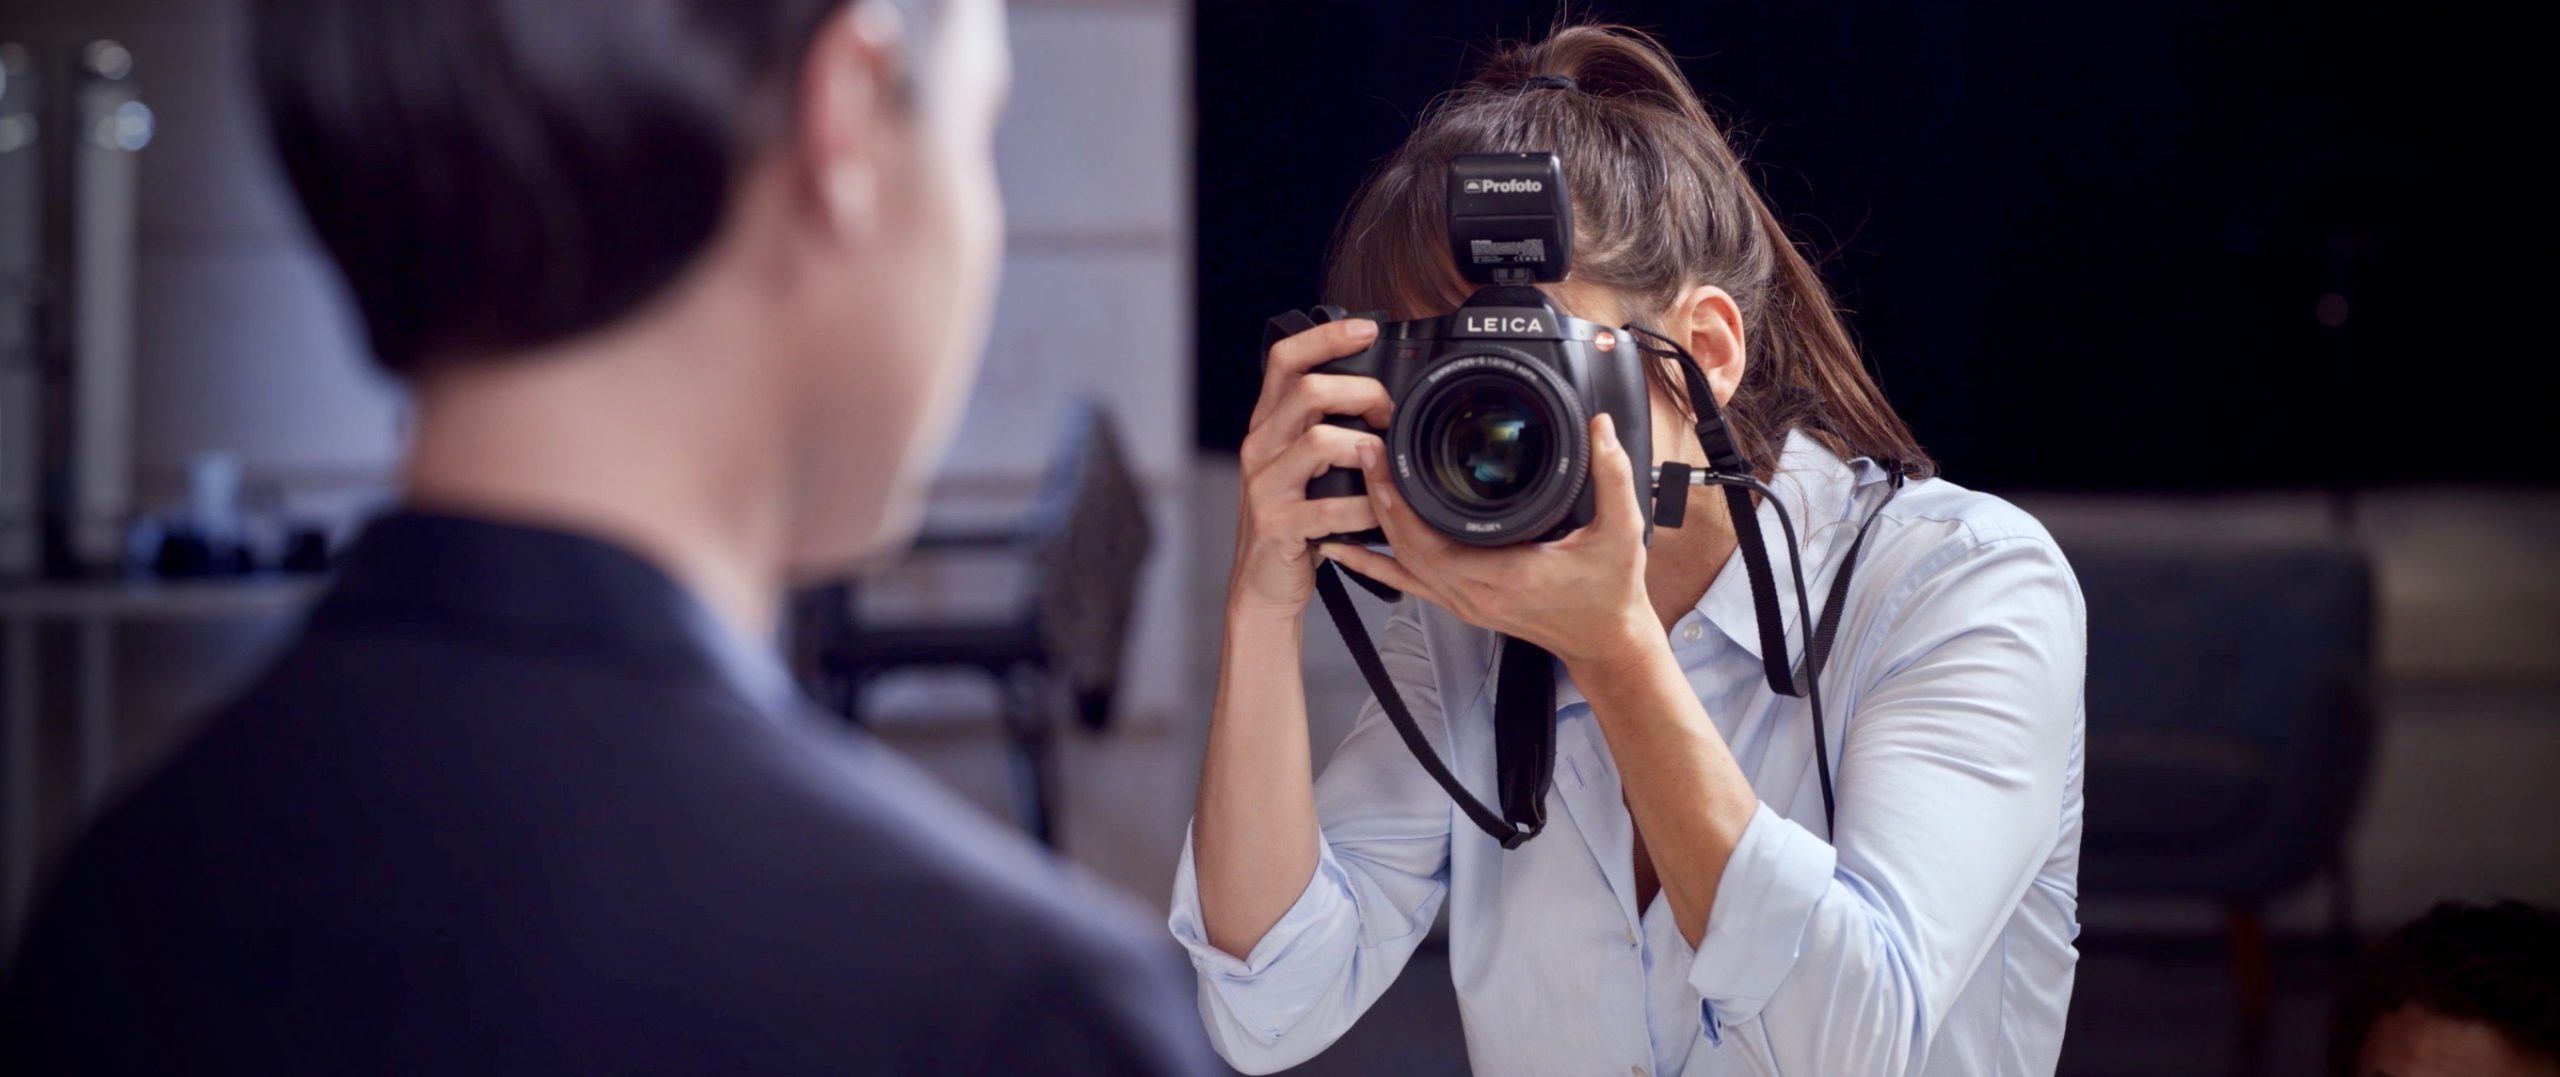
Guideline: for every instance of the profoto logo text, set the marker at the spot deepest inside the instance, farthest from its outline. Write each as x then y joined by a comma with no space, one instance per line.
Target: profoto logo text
1509,186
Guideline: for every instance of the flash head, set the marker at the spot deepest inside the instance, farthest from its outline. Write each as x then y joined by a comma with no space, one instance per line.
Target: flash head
1510,218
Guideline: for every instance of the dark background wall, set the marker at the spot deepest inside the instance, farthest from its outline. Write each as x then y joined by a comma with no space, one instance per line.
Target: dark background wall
2086,246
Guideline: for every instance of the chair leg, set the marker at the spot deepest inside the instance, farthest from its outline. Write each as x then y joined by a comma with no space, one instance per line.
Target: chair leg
1027,732
817,617
2245,935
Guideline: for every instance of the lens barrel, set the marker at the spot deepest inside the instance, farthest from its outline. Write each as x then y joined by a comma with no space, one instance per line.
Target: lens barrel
1494,452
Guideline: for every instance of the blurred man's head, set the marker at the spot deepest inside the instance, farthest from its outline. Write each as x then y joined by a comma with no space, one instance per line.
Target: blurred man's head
2464,990
807,185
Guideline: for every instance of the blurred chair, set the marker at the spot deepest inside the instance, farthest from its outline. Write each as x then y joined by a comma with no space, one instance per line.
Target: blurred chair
2230,722
1083,544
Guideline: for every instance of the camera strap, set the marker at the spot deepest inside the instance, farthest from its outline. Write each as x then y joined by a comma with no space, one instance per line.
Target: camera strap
1524,742
1524,697
1724,458
1524,713
1726,467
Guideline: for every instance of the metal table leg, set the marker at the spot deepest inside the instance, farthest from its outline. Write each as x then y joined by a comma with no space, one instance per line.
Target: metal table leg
97,710
17,775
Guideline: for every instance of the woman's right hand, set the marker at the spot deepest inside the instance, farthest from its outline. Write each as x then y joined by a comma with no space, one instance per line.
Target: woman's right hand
1254,836
1289,444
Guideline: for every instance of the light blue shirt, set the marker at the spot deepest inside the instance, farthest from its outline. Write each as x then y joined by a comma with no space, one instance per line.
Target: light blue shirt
1933,934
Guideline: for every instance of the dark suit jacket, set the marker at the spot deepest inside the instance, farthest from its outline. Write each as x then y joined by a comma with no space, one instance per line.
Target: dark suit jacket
513,803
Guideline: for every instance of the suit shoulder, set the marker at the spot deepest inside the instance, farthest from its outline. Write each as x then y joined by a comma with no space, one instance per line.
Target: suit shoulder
923,838
1086,981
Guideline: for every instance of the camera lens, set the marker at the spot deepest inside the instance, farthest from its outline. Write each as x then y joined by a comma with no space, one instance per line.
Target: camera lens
1488,442
1484,448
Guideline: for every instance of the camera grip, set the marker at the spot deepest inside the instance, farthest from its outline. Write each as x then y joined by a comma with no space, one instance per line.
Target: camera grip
1346,482
1341,481
1336,482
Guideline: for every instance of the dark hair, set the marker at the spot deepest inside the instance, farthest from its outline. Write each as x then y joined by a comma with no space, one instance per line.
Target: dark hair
2497,964
1661,202
493,175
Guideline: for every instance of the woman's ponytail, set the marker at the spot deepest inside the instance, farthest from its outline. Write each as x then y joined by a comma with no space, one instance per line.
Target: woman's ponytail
1661,203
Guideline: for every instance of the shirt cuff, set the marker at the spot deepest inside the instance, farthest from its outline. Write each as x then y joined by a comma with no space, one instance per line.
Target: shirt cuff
1261,990
1777,873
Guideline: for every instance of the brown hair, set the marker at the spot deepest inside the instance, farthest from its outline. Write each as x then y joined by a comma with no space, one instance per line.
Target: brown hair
1660,203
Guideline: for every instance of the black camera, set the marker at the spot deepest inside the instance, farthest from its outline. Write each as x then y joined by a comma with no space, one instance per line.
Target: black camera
1490,441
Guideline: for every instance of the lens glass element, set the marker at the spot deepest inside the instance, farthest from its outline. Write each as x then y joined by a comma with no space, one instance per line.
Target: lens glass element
1488,442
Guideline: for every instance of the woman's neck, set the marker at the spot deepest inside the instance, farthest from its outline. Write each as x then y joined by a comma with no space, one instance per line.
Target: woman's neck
651,437
1682,563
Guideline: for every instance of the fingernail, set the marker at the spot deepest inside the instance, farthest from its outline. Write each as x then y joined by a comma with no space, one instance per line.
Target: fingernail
1330,551
1609,426
1368,457
1363,329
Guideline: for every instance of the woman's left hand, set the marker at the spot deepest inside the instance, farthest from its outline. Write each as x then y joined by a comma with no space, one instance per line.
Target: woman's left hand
1582,597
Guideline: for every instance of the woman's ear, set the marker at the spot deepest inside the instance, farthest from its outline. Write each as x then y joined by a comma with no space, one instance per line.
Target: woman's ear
1707,319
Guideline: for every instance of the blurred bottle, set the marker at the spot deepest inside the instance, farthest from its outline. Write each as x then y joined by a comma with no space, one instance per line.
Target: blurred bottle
21,277
110,125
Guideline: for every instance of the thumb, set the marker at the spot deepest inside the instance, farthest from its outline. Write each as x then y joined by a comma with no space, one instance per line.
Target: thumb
1614,506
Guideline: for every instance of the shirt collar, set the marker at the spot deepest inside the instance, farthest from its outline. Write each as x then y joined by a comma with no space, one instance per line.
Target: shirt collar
1821,493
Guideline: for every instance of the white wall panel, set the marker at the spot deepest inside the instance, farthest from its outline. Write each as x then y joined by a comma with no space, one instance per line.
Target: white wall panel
1095,140
1112,324
255,352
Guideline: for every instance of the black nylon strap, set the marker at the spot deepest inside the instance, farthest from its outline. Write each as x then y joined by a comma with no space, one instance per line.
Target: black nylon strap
1817,651
1727,468
1364,652
1725,457
1764,590
1524,734
1524,706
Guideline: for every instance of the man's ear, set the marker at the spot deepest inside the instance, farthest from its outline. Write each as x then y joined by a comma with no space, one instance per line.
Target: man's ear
847,86
1710,323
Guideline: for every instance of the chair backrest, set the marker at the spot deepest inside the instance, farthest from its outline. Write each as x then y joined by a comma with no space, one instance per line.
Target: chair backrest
1086,542
2228,701
2239,639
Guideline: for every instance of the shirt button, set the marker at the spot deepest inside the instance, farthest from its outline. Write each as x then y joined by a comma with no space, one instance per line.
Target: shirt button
1694,632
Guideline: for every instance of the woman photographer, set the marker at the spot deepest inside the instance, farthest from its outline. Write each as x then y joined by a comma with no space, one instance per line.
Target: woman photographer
1696,912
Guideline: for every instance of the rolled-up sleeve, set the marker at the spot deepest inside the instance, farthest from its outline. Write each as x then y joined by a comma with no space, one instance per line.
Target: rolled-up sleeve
1777,874
1843,957
1381,874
